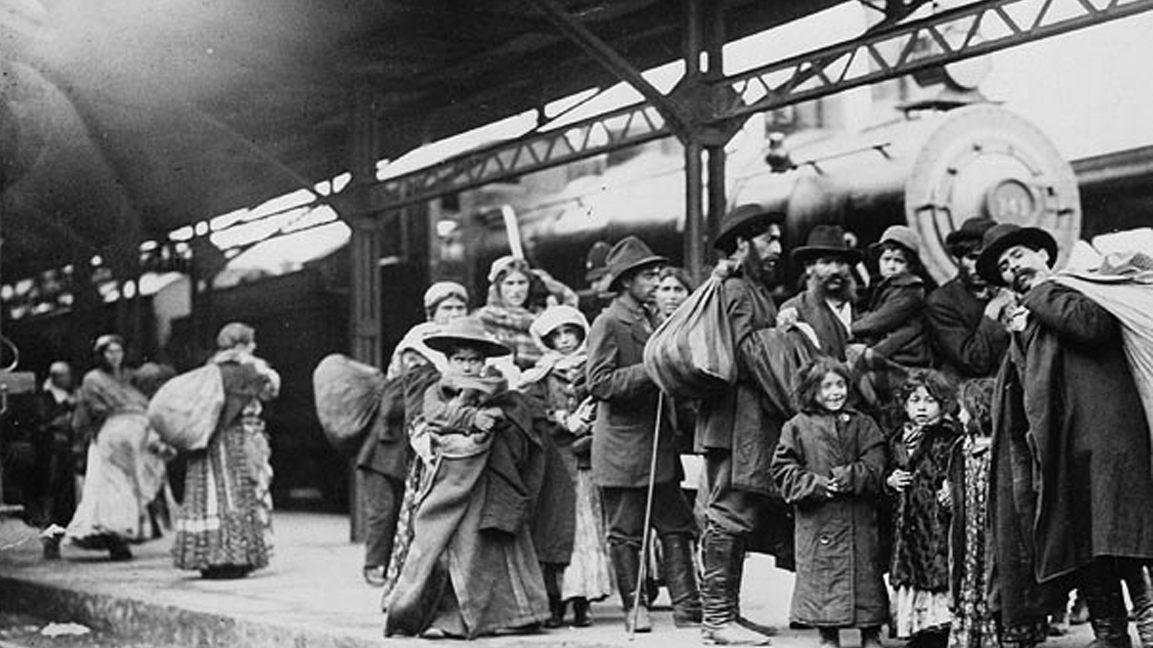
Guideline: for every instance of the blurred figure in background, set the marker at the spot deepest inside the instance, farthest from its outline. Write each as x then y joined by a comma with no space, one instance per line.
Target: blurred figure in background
56,462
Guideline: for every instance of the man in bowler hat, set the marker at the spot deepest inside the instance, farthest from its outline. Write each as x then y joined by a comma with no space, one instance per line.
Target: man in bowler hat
623,437
1072,491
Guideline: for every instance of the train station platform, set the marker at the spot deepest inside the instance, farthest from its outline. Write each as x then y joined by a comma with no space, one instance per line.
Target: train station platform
312,595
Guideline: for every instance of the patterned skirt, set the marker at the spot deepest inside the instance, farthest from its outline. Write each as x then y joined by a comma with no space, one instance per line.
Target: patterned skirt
225,519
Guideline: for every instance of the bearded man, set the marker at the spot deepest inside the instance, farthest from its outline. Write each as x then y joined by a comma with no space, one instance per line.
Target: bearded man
1071,492
826,304
964,314
737,483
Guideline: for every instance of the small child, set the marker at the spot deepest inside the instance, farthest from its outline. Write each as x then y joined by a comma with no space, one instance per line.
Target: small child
893,328
558,379
967,493
919,452
829,464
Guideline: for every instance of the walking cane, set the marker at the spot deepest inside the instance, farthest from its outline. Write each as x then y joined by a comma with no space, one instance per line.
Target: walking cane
648,517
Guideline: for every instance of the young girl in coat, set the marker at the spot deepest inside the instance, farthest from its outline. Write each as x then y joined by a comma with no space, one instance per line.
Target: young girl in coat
829,464
919,455
967,494
558,379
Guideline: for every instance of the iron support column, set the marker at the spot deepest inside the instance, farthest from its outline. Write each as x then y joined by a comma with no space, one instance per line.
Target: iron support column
714,32
365,247
694,251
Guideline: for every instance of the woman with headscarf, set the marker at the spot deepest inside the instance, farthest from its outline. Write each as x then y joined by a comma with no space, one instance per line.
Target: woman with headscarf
123,473
516,295
223,525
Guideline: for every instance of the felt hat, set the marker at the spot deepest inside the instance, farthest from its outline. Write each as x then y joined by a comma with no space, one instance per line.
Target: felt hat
595,261
1003,236
971,231
825,241
466,332
901,235
630,253
743,218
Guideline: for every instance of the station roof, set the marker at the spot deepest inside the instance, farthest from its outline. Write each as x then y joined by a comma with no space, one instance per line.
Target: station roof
131,118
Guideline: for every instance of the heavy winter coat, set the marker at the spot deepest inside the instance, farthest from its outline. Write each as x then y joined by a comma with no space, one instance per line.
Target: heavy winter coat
838,548
920,523
1089,439
627,401
741,419
966,343
894,325
831,333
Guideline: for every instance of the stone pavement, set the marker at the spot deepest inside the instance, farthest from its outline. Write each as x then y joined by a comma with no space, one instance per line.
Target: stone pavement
311,595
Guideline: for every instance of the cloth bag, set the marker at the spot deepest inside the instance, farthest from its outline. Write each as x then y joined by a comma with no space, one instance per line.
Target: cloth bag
691,355
185,410
1123,285
348,396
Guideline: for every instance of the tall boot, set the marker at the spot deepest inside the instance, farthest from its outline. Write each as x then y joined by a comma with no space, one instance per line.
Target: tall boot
723,556
739,577
681,579
627,565
1140,587
1101,586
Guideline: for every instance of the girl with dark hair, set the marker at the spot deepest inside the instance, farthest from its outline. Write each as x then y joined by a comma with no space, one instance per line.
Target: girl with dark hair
829,465
673,288
124,472
919,452
973,623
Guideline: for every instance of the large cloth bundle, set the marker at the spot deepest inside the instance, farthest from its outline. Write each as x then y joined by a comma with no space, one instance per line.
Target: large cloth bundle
1123,285
347,398
185,410
691,354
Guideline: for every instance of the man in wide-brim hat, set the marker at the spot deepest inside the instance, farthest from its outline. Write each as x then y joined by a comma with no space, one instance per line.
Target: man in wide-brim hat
964,313
826,303
1069,403
737,483
623,436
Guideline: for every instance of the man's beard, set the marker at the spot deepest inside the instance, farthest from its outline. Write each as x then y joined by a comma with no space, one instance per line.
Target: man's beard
836,284
763,270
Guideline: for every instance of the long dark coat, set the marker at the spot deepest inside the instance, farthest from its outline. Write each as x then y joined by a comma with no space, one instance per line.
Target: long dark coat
627,401
839,561
742,419
920,523
966,343
1085,428
813,310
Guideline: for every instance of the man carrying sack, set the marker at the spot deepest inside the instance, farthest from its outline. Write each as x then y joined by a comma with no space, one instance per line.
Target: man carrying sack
734,432
623,437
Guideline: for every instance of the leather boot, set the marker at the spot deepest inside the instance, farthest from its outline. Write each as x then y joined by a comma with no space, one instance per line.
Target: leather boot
1101,586
556,609
830,637
1140,588
681,579
580,612
739,571
627,565
723,556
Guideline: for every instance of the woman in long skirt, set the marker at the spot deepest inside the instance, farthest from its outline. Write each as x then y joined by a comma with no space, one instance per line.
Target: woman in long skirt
223,525
123,472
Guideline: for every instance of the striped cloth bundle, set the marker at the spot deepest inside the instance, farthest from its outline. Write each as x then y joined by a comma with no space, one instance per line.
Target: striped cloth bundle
691,354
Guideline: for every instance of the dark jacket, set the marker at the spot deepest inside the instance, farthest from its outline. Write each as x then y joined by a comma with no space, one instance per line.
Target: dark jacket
921,524
839,561
967,344
813,310
386,449
741,419
894,325
627,401
1086,432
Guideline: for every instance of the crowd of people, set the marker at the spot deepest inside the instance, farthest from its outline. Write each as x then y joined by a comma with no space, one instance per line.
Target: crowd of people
947,463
